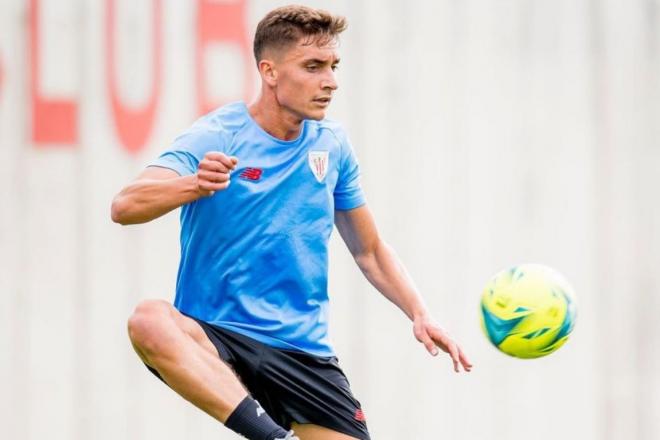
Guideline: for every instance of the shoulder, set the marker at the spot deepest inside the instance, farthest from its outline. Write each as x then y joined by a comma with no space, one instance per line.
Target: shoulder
221,124
329,127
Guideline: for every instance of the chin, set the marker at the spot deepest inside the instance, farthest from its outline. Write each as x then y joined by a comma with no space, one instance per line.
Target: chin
316,115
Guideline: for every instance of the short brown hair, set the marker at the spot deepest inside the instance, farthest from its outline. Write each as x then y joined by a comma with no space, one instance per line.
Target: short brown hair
286,25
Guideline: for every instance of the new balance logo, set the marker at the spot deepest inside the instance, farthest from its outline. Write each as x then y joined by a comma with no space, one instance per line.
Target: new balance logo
253,174
359,415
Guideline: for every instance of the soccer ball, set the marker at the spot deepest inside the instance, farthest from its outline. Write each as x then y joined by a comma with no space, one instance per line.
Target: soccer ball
528,311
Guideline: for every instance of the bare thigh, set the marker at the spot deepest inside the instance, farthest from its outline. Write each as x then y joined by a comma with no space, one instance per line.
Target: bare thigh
194,330
308,431
179,350
187,325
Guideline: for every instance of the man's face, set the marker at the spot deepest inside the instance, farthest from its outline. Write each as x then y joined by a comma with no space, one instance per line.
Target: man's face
306,78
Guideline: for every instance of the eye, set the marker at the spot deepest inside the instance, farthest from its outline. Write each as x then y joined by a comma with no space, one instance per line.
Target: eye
312,68
335,67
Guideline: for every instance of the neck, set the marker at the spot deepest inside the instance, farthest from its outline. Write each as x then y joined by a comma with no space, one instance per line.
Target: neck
274,119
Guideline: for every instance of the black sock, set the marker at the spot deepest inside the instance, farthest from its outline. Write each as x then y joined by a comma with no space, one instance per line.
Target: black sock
252,422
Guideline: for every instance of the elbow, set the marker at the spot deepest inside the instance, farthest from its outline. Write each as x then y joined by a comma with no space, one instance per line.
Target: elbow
118,211
363,260
366,260
370,257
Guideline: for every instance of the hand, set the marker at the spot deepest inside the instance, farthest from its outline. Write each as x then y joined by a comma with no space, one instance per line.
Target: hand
213,172
432,336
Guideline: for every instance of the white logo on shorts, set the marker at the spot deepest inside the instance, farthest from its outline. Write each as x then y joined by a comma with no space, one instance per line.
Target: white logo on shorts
260,410
318,163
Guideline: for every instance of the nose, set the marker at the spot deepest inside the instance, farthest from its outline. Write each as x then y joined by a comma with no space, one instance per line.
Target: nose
329,82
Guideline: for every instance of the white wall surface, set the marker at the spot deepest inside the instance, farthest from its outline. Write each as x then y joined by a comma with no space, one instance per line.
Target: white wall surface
489,133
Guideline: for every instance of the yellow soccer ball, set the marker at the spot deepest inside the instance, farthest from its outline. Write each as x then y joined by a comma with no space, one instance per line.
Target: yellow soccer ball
528,311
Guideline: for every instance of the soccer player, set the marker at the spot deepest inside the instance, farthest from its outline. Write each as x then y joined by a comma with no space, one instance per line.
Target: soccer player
261,187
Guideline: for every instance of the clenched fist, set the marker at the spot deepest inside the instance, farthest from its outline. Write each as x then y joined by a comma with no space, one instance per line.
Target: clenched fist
213,172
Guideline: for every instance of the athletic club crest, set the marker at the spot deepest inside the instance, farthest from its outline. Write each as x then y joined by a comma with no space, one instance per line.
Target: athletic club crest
318,162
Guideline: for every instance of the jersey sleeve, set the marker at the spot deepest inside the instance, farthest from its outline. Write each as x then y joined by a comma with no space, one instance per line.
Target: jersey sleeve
348,192
189,149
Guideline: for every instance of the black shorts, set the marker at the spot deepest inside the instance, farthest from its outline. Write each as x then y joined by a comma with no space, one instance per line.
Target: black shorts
291,386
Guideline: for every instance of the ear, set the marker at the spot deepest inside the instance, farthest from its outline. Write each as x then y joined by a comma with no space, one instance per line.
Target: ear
268,72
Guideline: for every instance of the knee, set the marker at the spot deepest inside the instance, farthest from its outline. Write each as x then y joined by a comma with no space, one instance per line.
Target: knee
146,325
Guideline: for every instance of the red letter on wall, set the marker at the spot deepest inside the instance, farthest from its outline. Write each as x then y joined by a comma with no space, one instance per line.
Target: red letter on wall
133,125
221,22
1,77
54,121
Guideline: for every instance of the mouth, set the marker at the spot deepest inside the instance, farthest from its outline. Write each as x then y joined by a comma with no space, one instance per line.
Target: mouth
323,101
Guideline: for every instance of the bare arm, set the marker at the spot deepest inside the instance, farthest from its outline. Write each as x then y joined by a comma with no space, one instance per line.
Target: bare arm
381,266
157,191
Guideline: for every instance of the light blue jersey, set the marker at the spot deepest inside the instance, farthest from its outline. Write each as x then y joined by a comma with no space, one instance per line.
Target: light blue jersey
254,257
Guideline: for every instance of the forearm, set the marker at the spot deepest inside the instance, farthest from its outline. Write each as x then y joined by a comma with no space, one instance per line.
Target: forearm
147,199
386,273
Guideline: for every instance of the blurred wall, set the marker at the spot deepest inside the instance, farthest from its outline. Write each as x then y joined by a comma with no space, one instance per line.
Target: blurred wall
490,133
